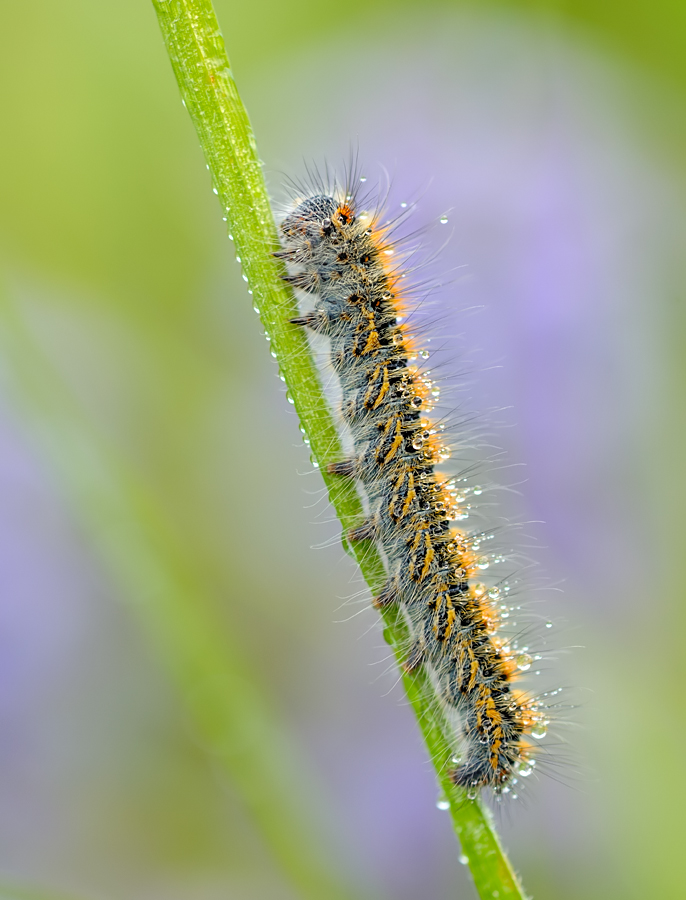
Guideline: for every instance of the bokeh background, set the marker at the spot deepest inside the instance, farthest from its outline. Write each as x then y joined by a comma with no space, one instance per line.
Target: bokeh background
553,135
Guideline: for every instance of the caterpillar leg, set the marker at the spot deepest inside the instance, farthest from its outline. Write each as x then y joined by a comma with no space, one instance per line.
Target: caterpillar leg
364,532
388,595
316,321
346,468
415,658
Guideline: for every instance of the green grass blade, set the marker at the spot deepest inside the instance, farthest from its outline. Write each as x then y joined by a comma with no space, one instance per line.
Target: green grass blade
196,49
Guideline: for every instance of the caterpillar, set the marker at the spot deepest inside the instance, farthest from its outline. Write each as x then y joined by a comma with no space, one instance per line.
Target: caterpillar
337,254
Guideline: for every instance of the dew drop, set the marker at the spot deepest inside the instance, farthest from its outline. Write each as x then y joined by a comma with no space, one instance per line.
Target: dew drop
289,397
424,354
477,490
548,624
463,859
442,803
482,562
314,462
539,731
472,793
215,191
403,205
363,178
443,220
524,661
245,277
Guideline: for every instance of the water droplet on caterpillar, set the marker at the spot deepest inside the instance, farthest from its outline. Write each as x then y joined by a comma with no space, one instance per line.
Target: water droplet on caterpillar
443,220
442,802
539,730
524,661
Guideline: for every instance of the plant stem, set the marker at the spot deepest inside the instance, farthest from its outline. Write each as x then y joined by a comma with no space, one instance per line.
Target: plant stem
196,49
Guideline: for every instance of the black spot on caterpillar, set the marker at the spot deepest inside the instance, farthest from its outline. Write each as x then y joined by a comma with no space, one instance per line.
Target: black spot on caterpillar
339,257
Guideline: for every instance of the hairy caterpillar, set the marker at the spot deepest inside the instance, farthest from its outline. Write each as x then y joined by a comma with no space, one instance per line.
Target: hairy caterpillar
338,254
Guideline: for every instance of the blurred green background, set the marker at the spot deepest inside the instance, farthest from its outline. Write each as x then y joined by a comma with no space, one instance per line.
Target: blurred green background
554,135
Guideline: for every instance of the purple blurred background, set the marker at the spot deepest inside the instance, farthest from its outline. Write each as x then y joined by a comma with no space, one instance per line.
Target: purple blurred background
566,219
